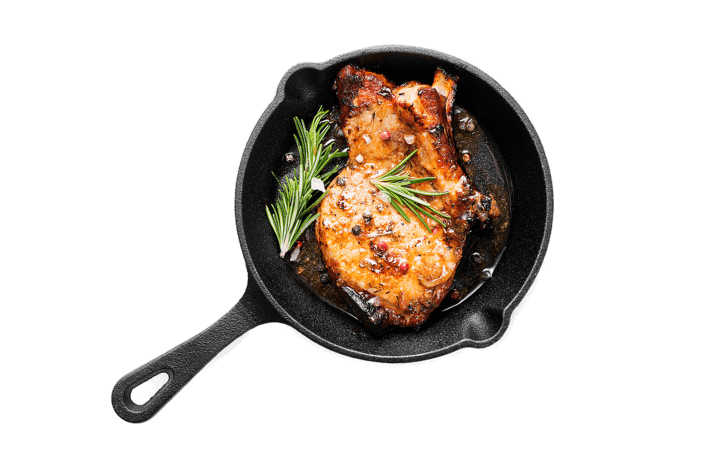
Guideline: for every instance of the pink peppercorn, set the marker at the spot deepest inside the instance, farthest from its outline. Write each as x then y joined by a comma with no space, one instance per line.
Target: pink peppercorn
404,268
385,135
381,246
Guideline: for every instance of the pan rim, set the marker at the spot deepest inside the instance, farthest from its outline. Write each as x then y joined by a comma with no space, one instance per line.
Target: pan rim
541,252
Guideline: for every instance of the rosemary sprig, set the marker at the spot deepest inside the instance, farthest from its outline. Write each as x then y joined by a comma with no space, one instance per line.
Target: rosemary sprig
289,217
394,185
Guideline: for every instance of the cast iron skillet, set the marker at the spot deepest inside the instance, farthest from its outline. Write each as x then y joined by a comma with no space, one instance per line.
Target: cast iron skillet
274,295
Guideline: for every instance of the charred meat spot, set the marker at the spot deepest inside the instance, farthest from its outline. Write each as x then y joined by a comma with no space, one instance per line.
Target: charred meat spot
385,92
437,129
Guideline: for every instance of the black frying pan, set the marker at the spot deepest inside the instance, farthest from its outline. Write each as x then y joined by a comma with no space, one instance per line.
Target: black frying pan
274,295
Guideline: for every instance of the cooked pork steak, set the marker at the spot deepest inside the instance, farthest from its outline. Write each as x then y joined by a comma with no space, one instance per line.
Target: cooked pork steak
394,272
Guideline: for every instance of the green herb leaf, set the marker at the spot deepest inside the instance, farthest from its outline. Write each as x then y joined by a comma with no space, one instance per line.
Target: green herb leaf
289,216
394,185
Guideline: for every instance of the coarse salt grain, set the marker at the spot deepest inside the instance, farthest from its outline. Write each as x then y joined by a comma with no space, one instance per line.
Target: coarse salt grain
359,158
409,139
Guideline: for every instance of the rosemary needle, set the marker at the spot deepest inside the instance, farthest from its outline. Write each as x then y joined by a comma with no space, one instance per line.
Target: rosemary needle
290,216
395,183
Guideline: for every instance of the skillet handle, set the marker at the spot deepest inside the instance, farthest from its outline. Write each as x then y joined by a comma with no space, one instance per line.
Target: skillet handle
184,361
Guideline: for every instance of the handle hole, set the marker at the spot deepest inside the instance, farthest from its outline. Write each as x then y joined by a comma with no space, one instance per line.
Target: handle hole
145,391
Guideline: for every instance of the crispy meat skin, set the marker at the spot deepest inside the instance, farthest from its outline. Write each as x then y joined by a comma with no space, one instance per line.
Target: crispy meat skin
399,272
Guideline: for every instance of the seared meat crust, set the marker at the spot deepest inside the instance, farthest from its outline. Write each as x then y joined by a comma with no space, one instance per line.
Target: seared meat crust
394,272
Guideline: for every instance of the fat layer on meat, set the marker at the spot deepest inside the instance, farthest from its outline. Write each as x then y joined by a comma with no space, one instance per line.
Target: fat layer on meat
394,272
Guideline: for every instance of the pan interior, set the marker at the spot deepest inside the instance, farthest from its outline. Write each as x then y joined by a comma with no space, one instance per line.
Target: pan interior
479,320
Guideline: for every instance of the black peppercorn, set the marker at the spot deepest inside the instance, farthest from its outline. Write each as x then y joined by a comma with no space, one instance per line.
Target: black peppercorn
486,202
357,230
325,278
